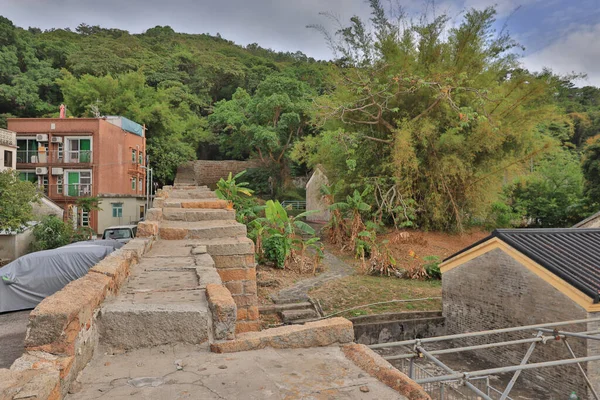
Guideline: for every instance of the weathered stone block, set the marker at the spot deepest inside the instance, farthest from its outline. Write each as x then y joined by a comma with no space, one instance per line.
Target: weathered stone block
154,214
173,233
235,261
55,323
237,274
246,326
147,229
373,364
223,311
235,287
313,334
245,300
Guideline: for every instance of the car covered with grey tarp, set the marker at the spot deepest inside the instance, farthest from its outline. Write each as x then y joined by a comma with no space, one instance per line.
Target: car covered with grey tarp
28,280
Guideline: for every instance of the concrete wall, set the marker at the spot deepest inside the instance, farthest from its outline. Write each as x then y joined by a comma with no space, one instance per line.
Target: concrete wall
13,150
314,197
384,328
131,212
495,291
15,246
209,172
47,207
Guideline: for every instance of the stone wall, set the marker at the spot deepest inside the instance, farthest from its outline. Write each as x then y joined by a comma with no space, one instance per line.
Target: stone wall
209,172
62,334
15,246
384,328
314,197
494,291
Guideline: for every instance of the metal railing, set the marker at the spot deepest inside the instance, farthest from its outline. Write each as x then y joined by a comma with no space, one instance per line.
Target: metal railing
294,204
451,389
71,190
8,138
54,157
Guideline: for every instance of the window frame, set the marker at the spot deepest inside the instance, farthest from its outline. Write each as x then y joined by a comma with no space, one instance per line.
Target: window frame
118,207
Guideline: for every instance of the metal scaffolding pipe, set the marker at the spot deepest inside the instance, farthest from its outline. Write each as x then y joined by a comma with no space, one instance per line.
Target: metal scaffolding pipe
524,361
587,381
580,335
481,333
483,346
501,370
448,369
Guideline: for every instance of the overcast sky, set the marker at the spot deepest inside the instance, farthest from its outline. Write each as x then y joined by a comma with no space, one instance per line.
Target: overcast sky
561,34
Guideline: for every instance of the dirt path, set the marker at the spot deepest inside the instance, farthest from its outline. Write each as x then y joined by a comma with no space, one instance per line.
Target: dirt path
336,269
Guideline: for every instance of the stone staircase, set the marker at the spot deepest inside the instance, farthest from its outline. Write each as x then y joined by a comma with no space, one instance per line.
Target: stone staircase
165,300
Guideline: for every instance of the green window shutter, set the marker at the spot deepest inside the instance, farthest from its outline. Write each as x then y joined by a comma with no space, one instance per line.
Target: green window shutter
73,181
85,146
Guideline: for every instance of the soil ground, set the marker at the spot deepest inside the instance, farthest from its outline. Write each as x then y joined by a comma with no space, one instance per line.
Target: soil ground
409,248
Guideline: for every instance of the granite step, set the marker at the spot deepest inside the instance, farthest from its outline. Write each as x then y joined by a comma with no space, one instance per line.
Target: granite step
194,215
193,194
179,230
193,203
289,316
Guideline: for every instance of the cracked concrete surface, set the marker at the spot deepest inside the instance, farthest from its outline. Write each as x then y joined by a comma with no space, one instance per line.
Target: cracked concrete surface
192,372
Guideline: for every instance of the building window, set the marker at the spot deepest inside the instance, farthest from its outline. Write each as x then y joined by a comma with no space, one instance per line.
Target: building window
117,210
142,213
133,180
28,151
8,158
28,176
79,183
79,151
43,183
141,159
141,185
85,218
133,156
59,184
60,151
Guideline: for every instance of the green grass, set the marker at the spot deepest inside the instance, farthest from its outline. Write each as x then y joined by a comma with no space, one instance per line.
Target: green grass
359,290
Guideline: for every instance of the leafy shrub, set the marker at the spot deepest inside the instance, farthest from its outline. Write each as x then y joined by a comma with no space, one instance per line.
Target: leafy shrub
51,233
432,267
503,216
275,249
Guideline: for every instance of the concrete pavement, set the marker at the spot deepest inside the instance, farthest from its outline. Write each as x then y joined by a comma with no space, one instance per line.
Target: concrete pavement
13,327
192,372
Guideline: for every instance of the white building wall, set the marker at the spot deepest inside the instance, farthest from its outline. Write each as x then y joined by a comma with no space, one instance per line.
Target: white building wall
130,215
8,144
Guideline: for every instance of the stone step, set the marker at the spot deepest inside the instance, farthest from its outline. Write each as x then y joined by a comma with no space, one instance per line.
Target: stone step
278,308
289,316
231,246
193,194
193,215
153,319
179,230
192,203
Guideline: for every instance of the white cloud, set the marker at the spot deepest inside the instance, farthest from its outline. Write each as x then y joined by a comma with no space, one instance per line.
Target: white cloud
578,51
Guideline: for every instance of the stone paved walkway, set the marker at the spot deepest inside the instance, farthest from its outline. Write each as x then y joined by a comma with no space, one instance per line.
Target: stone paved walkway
191,372
337,269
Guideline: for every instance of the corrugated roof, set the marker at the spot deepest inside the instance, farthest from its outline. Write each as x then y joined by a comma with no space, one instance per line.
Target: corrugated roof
572,254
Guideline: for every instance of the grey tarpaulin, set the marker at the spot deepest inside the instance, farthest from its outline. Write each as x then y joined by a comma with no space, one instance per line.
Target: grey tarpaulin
26,281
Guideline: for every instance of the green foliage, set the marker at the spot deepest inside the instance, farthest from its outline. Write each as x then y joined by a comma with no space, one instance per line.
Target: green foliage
240,197
445,110
432,267
16,198
52,233
503,215
552,196
591,170
88,204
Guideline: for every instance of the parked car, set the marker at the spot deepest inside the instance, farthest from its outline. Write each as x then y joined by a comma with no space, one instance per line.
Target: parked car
28,280
122,233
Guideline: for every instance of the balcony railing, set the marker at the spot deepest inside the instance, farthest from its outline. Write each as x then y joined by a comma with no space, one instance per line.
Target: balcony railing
71,190
54,157
8,138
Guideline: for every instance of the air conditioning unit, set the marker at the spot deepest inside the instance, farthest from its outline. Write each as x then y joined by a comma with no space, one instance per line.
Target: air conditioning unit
57,171
41,170
41,137
56,139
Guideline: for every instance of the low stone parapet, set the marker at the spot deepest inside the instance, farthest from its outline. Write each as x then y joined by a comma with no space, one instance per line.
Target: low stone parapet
376,366
223,311
62,333
333,331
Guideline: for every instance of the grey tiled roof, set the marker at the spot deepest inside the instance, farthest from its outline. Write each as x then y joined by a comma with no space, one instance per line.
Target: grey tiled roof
573,254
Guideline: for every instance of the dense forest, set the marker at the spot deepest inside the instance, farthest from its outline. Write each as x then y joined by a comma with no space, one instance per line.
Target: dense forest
436,124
